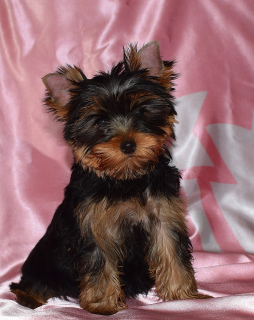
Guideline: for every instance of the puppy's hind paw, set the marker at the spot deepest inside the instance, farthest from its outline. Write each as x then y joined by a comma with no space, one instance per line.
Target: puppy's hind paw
27,300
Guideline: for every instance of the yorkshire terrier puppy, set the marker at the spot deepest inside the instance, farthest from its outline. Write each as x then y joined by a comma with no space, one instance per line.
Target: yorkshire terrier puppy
121,228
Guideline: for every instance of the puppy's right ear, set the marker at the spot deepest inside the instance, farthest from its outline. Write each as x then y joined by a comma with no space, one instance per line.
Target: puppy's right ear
60,87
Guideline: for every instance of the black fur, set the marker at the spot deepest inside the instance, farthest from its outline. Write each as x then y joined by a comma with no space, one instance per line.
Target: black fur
52,261
141,103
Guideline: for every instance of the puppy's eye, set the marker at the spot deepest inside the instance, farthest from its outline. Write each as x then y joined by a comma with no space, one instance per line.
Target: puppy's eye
140,113
100,121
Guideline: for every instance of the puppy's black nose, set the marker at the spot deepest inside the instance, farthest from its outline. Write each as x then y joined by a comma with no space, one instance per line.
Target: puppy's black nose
128,146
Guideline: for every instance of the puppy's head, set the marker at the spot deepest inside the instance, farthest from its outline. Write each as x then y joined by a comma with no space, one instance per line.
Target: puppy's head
116,122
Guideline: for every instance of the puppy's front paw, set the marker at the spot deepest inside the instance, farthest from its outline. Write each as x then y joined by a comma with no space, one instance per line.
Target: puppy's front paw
105,307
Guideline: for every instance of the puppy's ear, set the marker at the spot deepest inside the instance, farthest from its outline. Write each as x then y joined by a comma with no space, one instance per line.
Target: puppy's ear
150,58
60,86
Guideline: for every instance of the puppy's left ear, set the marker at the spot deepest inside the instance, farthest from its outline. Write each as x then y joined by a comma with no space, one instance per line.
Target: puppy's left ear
60,87
150,58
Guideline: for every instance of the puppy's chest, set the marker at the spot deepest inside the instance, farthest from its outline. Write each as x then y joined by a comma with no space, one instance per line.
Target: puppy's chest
119,215
105,204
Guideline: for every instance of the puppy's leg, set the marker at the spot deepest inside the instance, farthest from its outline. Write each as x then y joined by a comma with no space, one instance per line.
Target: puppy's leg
101,293
32,291
170,256
100,288
49,269
26,298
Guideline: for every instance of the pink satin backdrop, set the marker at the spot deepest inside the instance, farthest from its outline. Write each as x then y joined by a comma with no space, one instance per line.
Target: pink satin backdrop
213,43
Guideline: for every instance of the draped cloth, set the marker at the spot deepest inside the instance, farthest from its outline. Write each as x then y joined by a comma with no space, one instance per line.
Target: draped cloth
212,43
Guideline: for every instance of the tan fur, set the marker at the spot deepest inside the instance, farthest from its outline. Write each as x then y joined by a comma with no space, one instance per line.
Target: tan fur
173,280
29,300
158,217
103,295
133,58
59,100
107,158
61,110
165,78
72,73
163,75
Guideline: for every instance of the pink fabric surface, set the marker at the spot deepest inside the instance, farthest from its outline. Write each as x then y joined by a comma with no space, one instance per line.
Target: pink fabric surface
213,43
